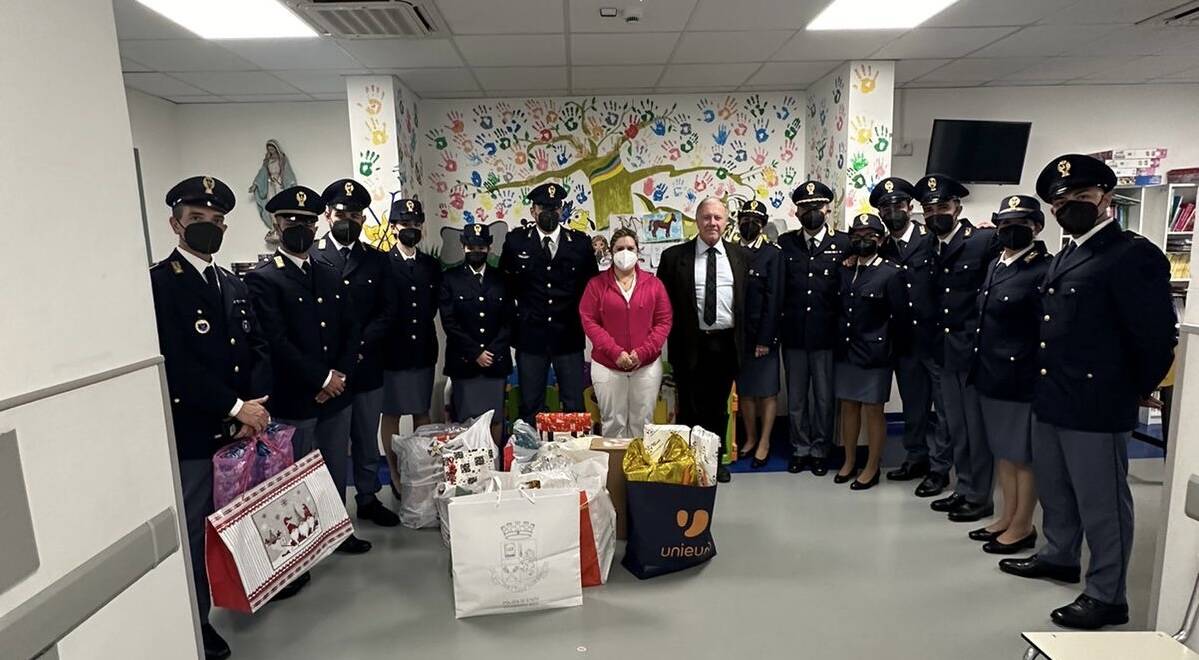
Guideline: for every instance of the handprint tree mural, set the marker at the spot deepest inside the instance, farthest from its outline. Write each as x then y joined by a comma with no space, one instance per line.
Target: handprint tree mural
617,155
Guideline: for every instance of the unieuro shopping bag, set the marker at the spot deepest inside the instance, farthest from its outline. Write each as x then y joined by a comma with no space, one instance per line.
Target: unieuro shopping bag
670,527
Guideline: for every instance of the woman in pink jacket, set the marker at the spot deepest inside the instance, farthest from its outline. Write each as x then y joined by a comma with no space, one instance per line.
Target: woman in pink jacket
626,315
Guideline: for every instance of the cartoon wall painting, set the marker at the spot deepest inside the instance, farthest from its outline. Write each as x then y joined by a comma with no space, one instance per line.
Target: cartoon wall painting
618,156
274,175
661,227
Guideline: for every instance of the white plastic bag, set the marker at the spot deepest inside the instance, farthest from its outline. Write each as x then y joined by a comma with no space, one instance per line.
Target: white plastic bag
705,446
515,551
420,471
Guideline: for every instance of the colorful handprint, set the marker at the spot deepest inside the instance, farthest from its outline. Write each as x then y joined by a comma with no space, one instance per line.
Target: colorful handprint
882,138
367,160
865,78
374,100
860,130
378,131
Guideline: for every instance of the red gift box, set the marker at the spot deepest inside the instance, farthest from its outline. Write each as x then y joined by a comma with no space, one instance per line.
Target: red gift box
548,422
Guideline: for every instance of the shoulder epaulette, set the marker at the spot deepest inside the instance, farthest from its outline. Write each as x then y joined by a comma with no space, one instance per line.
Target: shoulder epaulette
176,267
922,229
320,245
1028,259
967,231
279,262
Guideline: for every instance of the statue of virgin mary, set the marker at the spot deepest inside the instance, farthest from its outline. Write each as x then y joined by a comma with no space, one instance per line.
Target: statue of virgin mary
274,175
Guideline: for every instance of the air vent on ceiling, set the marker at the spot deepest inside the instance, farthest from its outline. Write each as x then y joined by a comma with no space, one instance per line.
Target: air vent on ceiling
1184,15
359,19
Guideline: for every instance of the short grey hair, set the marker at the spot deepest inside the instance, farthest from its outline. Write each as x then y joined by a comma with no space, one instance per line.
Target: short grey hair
711,200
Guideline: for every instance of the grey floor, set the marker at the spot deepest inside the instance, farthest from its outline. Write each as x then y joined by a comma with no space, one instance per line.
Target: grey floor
806,569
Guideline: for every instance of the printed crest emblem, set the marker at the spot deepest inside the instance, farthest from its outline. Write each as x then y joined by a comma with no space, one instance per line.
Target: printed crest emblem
932,183
889,185
202,326
1013,202
349,187
209,185
520,568
1063,167
301,197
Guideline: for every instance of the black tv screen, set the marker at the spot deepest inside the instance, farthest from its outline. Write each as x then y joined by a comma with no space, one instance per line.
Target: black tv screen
978,151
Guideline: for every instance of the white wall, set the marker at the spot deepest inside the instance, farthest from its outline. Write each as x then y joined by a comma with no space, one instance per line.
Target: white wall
1065,119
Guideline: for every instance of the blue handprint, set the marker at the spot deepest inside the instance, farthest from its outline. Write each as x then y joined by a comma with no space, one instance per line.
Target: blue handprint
706,110
690,197
783,110
581,195
739,151
659,192
761,134
468,217
776,200
487,145
476,179
659,127
685,128
722,135
562,157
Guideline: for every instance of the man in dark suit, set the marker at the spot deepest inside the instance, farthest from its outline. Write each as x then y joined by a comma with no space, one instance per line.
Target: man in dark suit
308,319
705,280
808,321
962,253
365,271
547,267
218,370
917,371
1107,340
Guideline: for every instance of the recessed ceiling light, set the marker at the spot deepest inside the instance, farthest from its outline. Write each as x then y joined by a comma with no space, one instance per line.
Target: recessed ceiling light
876,14
233,19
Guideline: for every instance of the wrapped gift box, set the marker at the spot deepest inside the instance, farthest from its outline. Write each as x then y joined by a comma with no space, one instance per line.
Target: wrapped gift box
616,480
549,423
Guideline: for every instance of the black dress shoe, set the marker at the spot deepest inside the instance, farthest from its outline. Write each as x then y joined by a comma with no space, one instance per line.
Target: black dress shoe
933,484
994,547
797,464
969,512
842,478
215,647
858,484
908,471
983,535
375,512
758,463
1086,613
947,503
354,546
292,589
723,475
1032,567
819,465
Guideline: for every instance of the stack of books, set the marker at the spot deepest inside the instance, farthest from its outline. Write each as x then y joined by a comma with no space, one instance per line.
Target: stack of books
1180,266
1135,167
1182,215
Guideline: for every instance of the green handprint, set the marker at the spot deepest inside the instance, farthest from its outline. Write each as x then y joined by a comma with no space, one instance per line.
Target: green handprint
859,162
792,129
367,162
882,138
857,179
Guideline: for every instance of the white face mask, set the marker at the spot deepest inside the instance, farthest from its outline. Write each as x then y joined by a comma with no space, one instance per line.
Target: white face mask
625,259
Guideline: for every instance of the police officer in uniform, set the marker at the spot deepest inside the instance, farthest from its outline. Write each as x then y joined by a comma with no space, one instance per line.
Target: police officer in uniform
1004,370
812,259
476,313
918,373
548,266
758,380
218,370
962,254
308,318
1106,341
365,270
410,354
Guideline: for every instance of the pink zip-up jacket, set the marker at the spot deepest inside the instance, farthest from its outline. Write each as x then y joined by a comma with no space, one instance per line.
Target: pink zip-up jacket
614,326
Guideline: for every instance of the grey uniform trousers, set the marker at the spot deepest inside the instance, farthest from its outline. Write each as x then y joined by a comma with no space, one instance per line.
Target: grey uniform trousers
918,388
971,454
195,476
811,422
330,434
364,443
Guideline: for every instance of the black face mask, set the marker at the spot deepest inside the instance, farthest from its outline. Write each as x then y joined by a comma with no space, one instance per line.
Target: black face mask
203,237
1014,237
750,230
346,231
863,247
941,223
1077,217
297,238
409,236
812,219
476,259
548,220
895,219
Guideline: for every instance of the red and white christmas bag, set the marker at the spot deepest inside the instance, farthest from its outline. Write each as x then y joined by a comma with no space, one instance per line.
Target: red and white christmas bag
266,538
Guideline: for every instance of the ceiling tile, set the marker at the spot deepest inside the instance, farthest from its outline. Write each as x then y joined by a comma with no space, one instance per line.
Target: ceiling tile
1089,12
729,46
706,75
659,16
453,95
503,16
1044,40
329,97
159,84
941,42
268,98
754,14
524,93
1142,69
191,99
129,66
1187,75
1066,68
318,82
225,83
979,70
643,48
917,84
1024,83
781,87
906,70
702,89
520,77
835,45
1142,40
978,13
796,74
513,50
136,21
623,91
437,80
183,55
610,77
407,53
276,54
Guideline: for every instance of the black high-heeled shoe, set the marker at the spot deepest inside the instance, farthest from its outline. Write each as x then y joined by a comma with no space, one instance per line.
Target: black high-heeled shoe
984,535
758,463
995,547
842,478
866,485
748,453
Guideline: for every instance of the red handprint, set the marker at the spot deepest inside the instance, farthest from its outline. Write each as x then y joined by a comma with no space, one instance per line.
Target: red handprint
543,160
456,124
727,109
448,164
740,129
648,187
702,182
759,156
456,198
672,149
788,152
631,131
439,183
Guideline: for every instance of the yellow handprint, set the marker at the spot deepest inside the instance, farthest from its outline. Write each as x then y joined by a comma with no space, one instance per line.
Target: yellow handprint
865,78
374,100
861,128
486,203
378,131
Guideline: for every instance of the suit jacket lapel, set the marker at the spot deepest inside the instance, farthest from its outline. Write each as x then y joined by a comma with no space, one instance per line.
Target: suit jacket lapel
1082,253
354,260
293,271
687,263
197,284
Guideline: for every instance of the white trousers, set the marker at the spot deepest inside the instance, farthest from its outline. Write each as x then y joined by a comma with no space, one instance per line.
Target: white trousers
626,399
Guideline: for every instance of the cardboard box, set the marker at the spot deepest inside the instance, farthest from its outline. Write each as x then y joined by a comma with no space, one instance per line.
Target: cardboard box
617,484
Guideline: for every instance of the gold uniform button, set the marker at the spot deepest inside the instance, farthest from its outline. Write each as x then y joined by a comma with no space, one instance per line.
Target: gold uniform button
301,299
1005,299
946,289
346,282
481,314
946,330
236,369
1046,318
482,330
1090,375
1042,344
1044,372
1051,291
480,298
1012,358
232,341
322,324
320,300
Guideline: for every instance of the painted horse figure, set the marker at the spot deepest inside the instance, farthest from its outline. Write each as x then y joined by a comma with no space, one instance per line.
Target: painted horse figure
664,225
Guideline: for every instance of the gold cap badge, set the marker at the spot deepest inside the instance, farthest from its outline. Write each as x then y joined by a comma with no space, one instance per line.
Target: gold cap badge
410,206
1063,167
209,185
478,229
811,188
301,197
551,191
889,185
349,187
932,183
1013,202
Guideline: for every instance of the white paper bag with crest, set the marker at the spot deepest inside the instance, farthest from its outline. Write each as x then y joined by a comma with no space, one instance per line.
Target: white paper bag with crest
515,551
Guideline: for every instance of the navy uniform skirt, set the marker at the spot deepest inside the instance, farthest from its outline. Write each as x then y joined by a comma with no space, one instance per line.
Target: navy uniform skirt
759,376
408,391
472,397
854,383
1009,428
